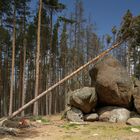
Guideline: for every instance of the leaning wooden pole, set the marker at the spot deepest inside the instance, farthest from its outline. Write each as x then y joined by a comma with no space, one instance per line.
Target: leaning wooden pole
63,80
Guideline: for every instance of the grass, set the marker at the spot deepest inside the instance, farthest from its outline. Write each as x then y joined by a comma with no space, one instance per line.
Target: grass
69,126
63,130
42,119
129,128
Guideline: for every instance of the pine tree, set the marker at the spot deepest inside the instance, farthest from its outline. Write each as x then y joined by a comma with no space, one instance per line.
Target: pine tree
24,13
35,111
108,39
13,58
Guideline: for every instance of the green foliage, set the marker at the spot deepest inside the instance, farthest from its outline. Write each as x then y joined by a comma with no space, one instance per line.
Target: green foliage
69,126
42,119
54,5
128,128
136,29
114,30
126,27
64,19
4,7
130,33
45,32
108,39
55,39
4,35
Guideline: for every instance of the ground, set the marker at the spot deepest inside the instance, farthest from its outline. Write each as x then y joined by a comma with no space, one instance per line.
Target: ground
53,128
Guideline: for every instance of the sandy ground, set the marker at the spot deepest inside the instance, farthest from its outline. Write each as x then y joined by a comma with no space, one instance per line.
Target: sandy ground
57,129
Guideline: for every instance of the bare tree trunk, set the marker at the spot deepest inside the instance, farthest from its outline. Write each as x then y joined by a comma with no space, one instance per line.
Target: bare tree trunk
35,110
13,63
23,76
24,62
51,63
128,61
1,81
0,70
47,97
64,79
5,81
20,74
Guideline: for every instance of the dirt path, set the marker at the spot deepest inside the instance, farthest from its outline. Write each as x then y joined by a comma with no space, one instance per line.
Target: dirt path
56,129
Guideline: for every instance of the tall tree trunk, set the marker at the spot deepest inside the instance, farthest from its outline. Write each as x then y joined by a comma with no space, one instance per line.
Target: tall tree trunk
20,74
35,110
47,86
51,25
51,64
1,95
5,81
24,62
23,76
13,62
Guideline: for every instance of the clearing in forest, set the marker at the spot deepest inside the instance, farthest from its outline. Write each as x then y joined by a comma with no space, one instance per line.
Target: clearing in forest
53,128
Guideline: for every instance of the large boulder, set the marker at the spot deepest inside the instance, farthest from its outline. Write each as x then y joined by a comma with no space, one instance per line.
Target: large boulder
113,114
136,94
133,121
85,99
112,83
74,115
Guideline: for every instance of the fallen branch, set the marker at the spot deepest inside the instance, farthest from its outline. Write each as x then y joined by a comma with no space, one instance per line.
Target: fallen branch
13,127
8,131
2,121
63,80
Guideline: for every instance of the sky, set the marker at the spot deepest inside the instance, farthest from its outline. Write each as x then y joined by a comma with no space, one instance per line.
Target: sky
105,13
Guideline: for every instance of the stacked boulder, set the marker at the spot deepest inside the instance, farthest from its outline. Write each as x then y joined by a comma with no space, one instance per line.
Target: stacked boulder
112,97
83,101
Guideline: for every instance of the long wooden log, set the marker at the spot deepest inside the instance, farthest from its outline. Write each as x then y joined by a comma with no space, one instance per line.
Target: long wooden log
63,80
